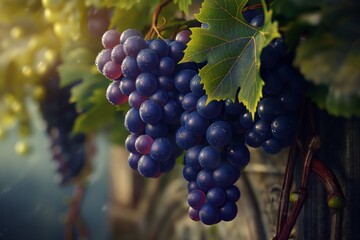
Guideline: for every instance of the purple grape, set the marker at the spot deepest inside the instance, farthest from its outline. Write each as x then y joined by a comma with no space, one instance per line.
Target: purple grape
129,68
129,33
233,193
171,112
111,70
189,102
196,124
196,86
190,173
143,144
127,86
225,175
136,99
102,58
114,95
272,146
238,155
148,167
150,112
209,158
133,122
218,134
166,66
186,139
165,83
183,36
161,150
182,80
110,39
216,197
210,110
194,214
209,215
133,160
130,143
117,54
205,180
147,60
191,157
160,47
229,211
196,199
158,130
133,45
269,108
160,97
176,51
146,84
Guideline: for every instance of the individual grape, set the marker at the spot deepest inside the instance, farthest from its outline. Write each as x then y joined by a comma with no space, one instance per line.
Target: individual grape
279,46
117,54
150,112
209,215
272,146
129,68
133,122
196,124
209,158
262,129
130,143
133,45
184,118
102,58
257,21
196,86
268,58
114,95
216,197
171,112
238,155
205,180
166,66
133,160
191,157
183,36
160,97
196,199
283,126
269,108
112,70
165,83
186,139
189,173
246,120
253,139
225,175
189,102
233,193
146,84
110,39
194,214
229,211
147,60
218,134
136,99
129,33
182,80
127,86
148,167
143,144
210,110
161,149
168,165
192,185
158,130
176,51
160,47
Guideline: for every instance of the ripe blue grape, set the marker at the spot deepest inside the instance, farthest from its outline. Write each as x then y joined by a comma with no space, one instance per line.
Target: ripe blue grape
112,70
229,211
133,45
190,173
130,143
216,197
146,84
196,199
147,60
110,39
117,54
114,95
129,68
238,155
233,193
209,157
136,99
209,214
210,110
158,130
129,33
196,123
196,86
205,180
218,134
176,51
269,108
160,97
127,86
186,139
150,112
166,66
102,58
160,47
148,167
133,160
161,149
133,122
189,102
191,157
182,80
143,144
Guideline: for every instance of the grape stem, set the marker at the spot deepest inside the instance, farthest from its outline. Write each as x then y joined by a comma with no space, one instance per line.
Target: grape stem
155,16
327,178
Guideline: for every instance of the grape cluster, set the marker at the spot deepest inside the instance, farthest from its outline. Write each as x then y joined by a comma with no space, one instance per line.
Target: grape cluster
276,117
67,149
215,152
145,73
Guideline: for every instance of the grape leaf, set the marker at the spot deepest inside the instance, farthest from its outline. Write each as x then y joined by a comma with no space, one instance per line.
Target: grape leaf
231,47
183,5
335,51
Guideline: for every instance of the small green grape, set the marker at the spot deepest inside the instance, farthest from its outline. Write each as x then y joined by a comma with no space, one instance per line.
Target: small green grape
336,202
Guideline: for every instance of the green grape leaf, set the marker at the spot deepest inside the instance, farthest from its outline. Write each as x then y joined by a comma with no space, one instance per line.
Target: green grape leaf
183,5
331,56
231,47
